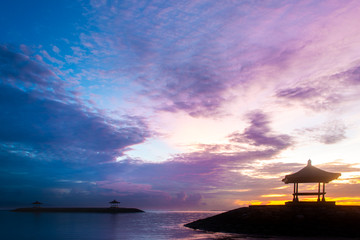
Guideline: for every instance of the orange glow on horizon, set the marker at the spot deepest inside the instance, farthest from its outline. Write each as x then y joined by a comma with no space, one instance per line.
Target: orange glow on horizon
345,200
348,201
273,195
246,203
277,202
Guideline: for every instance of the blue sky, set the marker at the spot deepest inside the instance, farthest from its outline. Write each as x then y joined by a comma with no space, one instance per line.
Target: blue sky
176,105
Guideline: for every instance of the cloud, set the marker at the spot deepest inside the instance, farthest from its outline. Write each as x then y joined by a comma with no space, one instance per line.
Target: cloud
324,93
50,58
16,68
259,133
350,76
190,180
199,57
330,132
316,95
201,170
45,120
300,93
49,125
194,89
47,135
55,49
338,166
179,66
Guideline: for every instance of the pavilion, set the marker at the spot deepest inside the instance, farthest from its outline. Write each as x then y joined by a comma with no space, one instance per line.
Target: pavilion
36,204
310,174
114,204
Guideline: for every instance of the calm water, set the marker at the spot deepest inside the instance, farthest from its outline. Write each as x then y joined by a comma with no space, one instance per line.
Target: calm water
152,225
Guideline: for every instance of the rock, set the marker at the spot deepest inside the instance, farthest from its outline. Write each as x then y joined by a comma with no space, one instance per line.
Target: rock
285,220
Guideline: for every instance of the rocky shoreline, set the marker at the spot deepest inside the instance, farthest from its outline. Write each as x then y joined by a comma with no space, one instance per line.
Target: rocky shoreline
80,210
302,220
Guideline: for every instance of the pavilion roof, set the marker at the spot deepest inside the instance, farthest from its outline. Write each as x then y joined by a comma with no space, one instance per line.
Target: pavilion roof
310,174
37,202
114,201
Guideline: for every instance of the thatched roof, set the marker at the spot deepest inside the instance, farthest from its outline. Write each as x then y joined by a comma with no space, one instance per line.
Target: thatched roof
37,202
114,201
311,174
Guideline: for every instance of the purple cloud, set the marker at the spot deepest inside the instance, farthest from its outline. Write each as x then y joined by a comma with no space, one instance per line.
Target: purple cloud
17,68
300,93
259,133
204,170
179,67
194,89
191,179
350,76
324,93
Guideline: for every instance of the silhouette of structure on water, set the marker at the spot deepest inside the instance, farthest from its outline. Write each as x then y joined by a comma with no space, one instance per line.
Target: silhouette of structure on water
114,208
36,204
114,204
310,174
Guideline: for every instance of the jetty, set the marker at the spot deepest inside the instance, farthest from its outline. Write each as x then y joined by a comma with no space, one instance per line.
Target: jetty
318,218
114,208
79,210
286,220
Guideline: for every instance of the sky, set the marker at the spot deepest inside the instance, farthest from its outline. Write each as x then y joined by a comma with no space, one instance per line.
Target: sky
184,105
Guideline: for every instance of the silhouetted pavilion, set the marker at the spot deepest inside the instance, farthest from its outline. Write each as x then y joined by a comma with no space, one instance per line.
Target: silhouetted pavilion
310,174
36,204
114,204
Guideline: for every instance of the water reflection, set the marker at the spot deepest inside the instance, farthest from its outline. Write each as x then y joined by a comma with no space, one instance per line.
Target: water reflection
156,225
92,226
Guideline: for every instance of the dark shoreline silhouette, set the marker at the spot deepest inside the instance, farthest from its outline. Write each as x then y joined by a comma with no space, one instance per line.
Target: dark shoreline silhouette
79,210
301,220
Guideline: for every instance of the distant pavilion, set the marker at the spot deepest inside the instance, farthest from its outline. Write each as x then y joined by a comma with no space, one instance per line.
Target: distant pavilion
36,204
310,174
114,204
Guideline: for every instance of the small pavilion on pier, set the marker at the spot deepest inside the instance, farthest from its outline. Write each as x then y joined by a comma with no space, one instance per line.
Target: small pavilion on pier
36,204
310,174
114,204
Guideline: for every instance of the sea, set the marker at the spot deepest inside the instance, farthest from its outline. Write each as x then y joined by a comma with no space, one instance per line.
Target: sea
151,225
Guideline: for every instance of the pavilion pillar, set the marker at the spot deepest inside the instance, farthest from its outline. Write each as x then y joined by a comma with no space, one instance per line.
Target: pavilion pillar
323,193
294,192
319,193
297,191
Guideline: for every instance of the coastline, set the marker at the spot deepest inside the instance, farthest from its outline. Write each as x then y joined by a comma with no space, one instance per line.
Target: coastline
80,210
281,220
